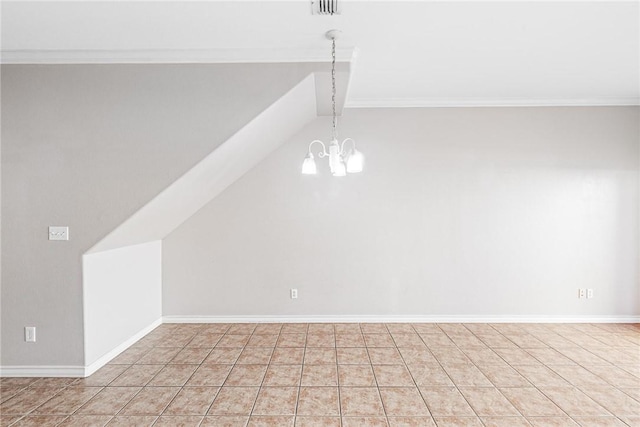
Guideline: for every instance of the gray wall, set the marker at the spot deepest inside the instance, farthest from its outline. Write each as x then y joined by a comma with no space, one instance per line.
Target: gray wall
482,211
86,146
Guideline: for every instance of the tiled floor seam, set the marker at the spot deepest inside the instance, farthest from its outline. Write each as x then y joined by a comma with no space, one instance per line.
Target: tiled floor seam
335,343
412,375
450,379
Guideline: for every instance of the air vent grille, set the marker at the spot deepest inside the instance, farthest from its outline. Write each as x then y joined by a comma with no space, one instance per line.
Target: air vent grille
325,7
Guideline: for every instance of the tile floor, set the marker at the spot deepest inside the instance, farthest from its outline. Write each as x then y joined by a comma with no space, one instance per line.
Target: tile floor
348,375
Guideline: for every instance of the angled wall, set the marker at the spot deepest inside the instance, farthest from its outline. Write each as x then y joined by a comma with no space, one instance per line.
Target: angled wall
122,283
122,298
476,213
224,165
87,146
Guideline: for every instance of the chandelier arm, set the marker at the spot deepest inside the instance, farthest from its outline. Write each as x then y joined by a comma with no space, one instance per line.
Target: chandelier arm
323,153
343,142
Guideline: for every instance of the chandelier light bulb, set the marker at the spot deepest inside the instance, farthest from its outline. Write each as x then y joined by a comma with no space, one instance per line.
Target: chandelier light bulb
309,165
340,169
355,162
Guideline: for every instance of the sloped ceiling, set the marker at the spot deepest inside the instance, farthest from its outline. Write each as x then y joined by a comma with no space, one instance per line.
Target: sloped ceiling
409,53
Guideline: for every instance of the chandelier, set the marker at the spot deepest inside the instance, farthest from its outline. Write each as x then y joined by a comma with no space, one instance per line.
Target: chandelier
341,161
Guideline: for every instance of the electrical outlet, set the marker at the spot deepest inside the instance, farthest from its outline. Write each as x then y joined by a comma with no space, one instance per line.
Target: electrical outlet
30,333
589,293
582,293
294,293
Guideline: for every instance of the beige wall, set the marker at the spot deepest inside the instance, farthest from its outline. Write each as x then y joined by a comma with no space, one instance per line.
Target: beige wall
477,212
86,146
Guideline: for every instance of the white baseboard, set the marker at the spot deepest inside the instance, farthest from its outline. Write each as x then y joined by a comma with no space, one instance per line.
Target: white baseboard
90,369
75,371
41,371
402,319
85,371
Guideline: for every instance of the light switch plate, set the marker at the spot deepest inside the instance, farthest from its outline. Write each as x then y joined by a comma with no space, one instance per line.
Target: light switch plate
58,233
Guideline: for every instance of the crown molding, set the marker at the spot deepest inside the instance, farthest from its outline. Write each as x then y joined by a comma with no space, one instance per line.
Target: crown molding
172,56
490,102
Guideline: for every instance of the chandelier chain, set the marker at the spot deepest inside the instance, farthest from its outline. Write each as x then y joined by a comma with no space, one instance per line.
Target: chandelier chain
333,87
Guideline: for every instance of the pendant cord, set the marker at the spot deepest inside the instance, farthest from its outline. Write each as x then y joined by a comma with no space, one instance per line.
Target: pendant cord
333,87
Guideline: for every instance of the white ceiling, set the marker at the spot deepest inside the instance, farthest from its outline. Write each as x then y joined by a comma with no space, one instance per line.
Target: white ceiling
408,53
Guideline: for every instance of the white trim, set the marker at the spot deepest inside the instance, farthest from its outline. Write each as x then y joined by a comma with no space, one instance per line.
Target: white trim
172,56
42,371
402,319
90,369
82,371
263,55
489,102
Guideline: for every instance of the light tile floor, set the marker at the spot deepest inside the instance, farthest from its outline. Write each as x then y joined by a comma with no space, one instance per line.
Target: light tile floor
492,375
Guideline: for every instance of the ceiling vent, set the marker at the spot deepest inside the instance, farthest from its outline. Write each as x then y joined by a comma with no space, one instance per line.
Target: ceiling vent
325,7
